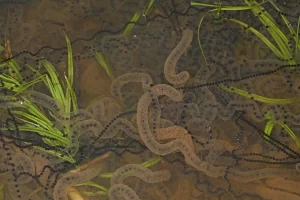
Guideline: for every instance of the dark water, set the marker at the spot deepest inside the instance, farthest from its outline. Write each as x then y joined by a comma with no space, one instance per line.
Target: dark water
140,99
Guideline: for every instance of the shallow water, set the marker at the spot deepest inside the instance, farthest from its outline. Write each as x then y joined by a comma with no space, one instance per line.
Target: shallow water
180,102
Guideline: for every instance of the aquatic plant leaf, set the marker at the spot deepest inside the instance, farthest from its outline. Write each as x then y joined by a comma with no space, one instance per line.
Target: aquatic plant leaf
149,6
52,82
258,97
90,183
57,154
223,8
288,24
71,92
70,99
15,69
146,164
268,129
104,65
297,37
70,60
134,19
91,194
290,132
273,28
152,161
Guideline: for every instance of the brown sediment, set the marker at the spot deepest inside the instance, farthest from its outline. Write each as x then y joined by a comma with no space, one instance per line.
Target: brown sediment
93,81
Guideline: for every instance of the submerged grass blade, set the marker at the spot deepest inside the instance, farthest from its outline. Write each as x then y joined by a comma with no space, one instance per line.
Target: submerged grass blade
218,9
146,164
258,97
198,37
70,99
297,37
33,119
149,6
70,60
53,83
35,111
104,65
90,183
57,154
21,88
43,132
272,27
40,124
261,36
222,8
268,129
290,132
9,79
129,27
287,23
91,194
152,161
15,68
72,94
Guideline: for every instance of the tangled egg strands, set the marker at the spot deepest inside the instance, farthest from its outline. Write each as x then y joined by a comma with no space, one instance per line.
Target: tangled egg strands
206,128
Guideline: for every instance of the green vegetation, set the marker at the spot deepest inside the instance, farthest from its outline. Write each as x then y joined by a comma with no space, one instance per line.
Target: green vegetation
271,122
129,27
100,59
258,97
35,119
280,47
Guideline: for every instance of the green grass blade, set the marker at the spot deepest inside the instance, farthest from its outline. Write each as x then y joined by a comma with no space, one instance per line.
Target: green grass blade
291,133
268,129
152,161
15,67
149,6
268,21
34,110
217,9
286,21
53,83
146,164
21,88
9,86
72,95
70,60
198,36
258,97
104,65
90,183
129,27
91,194
8,78
68,100
223,8
43,132
57,154
33,119
41,122
261,36
297,37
